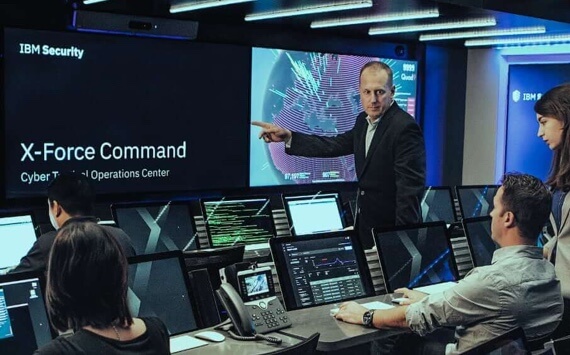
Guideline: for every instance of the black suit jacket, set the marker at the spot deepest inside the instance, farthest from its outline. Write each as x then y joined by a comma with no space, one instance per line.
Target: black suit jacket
37,257
391,178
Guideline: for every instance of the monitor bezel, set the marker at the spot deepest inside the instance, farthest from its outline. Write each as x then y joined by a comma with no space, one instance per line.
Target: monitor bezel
441,224
180,256
234,198
466,187
464,223
449,189
187,204
284,278
338,199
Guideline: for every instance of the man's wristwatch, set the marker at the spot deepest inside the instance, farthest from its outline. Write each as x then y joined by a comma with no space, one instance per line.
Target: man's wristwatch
367,318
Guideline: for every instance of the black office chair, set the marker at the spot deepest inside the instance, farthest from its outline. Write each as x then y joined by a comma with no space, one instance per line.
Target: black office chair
558,346
512,342
306,347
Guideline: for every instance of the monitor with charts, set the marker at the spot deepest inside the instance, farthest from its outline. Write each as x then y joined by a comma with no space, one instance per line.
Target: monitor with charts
156,227
481,245
238,220
437,205
24,324
416,255
159,287
476,200
311,213
17,235
321,269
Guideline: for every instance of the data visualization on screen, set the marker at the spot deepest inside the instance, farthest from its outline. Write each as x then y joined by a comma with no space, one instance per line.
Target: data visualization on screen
17,235
320,269
243,220
413,256
157,226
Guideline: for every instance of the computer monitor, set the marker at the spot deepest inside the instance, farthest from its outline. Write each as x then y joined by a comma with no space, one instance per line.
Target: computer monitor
476,200
157,226
321,269
159,287
238,220
312,213
17,235
413,256
24,324
437,205
481,245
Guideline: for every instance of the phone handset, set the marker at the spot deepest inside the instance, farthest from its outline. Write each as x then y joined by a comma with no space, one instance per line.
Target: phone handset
239,316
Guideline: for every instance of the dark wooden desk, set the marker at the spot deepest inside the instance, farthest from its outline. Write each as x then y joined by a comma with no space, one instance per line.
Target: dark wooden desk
239,347
335,335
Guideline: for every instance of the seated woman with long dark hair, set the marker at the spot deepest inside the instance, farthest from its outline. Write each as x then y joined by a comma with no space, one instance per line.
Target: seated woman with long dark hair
87,292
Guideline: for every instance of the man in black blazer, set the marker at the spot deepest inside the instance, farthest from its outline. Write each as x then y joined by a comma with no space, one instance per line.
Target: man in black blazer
388,148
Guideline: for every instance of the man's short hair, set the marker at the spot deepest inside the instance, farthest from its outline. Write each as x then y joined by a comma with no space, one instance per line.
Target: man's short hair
378,65
529,200
73,192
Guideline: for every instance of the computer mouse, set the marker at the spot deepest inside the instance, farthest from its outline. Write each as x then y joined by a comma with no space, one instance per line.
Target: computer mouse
210,335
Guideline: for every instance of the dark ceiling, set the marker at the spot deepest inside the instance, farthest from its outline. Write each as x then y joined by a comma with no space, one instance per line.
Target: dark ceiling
554,15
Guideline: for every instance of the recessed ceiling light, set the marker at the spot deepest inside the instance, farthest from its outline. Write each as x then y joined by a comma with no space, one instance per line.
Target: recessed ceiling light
484,33
561,38
481,22
197,5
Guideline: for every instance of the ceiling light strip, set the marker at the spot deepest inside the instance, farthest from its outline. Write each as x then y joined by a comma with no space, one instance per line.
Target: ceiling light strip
397,16
88,2
310,9
484,33
197,5
561,38
481,22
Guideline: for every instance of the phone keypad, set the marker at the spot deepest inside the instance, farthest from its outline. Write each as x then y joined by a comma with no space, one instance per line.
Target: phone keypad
268,316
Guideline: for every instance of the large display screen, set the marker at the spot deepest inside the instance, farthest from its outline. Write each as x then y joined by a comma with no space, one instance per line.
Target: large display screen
133,114
315,93
525,151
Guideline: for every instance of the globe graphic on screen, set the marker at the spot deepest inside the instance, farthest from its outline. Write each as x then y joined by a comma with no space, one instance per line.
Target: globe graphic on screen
313,93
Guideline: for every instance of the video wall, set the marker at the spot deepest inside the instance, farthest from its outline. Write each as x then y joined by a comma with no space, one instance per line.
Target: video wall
527,82
313,93
156,115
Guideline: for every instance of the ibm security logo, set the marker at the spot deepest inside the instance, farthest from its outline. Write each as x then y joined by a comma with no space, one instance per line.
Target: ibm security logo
517,96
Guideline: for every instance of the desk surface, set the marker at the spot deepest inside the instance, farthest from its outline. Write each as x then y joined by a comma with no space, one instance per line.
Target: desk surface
335,334
240,347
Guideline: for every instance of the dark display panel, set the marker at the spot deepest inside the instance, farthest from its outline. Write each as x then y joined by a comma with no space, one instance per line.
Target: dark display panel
321,269
481,245
133,114
159,287
244,220
437,205
314,93
476,201
414,256
24,324
157,227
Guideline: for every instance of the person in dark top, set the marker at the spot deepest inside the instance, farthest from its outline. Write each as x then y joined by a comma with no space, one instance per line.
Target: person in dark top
70,196
87,292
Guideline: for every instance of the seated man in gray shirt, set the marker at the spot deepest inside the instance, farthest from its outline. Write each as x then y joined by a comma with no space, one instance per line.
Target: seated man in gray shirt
518,289
70,197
